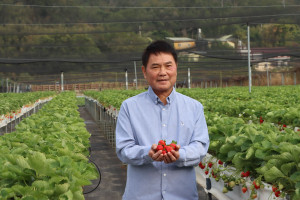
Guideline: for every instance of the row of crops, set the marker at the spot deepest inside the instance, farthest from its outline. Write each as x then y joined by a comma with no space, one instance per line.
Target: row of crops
257,134
47,156
12,102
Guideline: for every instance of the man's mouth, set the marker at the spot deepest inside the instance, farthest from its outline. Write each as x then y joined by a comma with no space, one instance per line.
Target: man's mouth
162,80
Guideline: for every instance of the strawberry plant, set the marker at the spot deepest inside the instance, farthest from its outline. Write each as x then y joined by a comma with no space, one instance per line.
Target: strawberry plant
244,132
47,156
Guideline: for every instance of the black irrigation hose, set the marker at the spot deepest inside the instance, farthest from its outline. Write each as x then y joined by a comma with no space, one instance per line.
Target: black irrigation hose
98,169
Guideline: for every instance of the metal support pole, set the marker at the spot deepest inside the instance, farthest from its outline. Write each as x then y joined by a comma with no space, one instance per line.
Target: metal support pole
136,82
126,79
282,78
6,85
189,78
62,81
268,82
221,79
249,62
295,78
2,85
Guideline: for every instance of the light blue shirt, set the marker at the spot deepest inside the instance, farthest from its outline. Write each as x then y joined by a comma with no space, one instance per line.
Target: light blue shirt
143,120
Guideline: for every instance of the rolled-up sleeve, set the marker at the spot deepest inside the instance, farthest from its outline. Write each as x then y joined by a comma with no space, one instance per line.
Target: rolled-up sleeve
126,148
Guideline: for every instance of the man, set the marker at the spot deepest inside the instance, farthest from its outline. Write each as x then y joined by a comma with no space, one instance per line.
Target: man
161,114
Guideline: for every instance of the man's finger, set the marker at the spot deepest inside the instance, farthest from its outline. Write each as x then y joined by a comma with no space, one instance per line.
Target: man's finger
171,156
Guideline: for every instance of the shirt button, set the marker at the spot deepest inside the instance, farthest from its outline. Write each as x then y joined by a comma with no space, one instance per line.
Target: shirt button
164,192
165,174
163,109
164,125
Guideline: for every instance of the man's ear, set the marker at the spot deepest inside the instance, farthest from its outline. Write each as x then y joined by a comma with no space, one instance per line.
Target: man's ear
144,71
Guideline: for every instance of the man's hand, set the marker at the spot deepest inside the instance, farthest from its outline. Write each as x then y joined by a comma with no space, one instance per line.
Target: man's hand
172,156
156,156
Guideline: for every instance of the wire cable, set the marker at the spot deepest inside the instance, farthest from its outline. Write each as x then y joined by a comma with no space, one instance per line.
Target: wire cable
156,21
147,7
99,178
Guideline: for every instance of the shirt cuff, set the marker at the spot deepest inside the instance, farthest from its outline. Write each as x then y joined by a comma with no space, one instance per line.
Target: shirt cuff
182,157
147,158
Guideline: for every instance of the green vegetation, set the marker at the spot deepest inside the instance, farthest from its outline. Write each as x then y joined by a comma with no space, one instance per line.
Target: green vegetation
47,156
13,102
118,29
80,101
257,132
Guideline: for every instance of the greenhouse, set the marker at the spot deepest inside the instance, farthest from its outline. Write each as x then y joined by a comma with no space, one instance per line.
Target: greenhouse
70,69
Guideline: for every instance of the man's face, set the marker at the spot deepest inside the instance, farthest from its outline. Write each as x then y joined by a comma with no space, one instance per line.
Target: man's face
161,73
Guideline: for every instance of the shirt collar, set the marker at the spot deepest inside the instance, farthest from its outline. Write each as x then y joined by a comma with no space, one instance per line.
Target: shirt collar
155,98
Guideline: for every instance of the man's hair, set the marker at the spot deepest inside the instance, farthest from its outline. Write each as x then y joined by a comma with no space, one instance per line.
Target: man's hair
157,47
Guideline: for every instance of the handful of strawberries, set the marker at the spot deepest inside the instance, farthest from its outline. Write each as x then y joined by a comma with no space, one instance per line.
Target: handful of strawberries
166,148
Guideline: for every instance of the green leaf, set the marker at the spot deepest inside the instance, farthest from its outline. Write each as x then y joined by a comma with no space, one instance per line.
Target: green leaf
250,153
273,174
295,176
61,188
262,170
225,148
266,144
38,162
261,154
78,195
21,161
287,168
66,196
231,154
230,139
29,198
40,184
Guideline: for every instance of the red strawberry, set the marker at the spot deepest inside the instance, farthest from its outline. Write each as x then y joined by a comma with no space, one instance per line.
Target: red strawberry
220,162
244,189
164,152
159,147
261,120
201,165
210,164
162,142
277,193
247,173
256,184
168,148
173,145
206,172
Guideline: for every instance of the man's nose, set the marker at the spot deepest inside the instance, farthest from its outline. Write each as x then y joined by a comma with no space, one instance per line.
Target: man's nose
162,71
